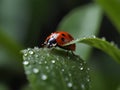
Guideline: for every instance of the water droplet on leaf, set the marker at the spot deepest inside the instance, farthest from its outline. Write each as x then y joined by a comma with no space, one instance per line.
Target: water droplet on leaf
81,68
83,86
39,62
28,72
28,49
25,54
53,61
84,38
93,36
69,84
63,70
48,54
112,43
36,55
68,57
70,74
103,38
36,48
31,52
88,79
66,79
35,70
88,69
47,67
44,77
45,62
25,62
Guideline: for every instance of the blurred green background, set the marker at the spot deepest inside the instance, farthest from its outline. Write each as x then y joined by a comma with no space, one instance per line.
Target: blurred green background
26,23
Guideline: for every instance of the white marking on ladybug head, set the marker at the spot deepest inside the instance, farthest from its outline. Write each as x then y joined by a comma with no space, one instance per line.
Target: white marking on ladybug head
55,35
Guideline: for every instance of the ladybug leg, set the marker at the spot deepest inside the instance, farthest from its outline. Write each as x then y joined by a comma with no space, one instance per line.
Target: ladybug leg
72,52
44,44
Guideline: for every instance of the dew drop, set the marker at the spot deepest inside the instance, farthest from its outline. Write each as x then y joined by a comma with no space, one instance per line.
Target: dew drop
48,54
35,70
39,62
25,54
88,79
57,58
42,57
103,38
44,77
84,62
112,43
73,66
66,79
116,46
81,64
70,74
68,57
28,72
47,67
28,58
36,55
84,37
83,86
88,69
25,62
77,39
69,84
36,48
31,52
63,70
53,61
93,36
45,62
28,49
81,68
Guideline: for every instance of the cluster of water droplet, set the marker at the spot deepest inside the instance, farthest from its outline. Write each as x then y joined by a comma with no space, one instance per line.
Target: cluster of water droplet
36,63
103,39
31,59
112,42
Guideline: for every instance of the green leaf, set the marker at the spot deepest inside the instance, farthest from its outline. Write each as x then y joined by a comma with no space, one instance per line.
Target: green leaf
55,69
3,86
112,8
14,18
11,45
80,22
101,44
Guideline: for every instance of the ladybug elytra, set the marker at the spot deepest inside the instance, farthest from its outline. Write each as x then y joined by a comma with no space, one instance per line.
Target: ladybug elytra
59,39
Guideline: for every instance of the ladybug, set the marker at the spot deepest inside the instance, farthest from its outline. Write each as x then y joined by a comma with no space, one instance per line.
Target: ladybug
59,39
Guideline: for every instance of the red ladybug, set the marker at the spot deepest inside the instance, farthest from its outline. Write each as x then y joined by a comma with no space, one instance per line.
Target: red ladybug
59,39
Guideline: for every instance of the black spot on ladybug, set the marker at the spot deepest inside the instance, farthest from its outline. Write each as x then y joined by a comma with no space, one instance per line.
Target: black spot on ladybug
63,39
63,35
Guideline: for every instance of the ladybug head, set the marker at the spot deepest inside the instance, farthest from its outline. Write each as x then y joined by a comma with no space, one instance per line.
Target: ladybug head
51,42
